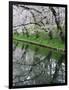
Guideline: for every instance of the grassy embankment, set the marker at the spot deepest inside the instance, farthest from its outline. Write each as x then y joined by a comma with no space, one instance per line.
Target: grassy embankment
54,43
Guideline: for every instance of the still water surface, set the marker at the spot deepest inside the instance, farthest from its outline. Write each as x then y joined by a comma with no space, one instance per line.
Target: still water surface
35,65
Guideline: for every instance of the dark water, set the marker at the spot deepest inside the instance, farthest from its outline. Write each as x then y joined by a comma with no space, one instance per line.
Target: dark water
35,65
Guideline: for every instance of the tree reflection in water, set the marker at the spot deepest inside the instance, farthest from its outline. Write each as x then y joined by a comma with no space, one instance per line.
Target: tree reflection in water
32,67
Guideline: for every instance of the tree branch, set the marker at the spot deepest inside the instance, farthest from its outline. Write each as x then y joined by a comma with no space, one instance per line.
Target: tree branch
28,8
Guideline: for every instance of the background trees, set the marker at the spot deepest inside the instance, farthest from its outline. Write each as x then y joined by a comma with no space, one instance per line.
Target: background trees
30,19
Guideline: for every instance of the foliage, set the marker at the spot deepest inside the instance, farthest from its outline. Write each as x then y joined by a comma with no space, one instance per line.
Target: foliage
55,42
